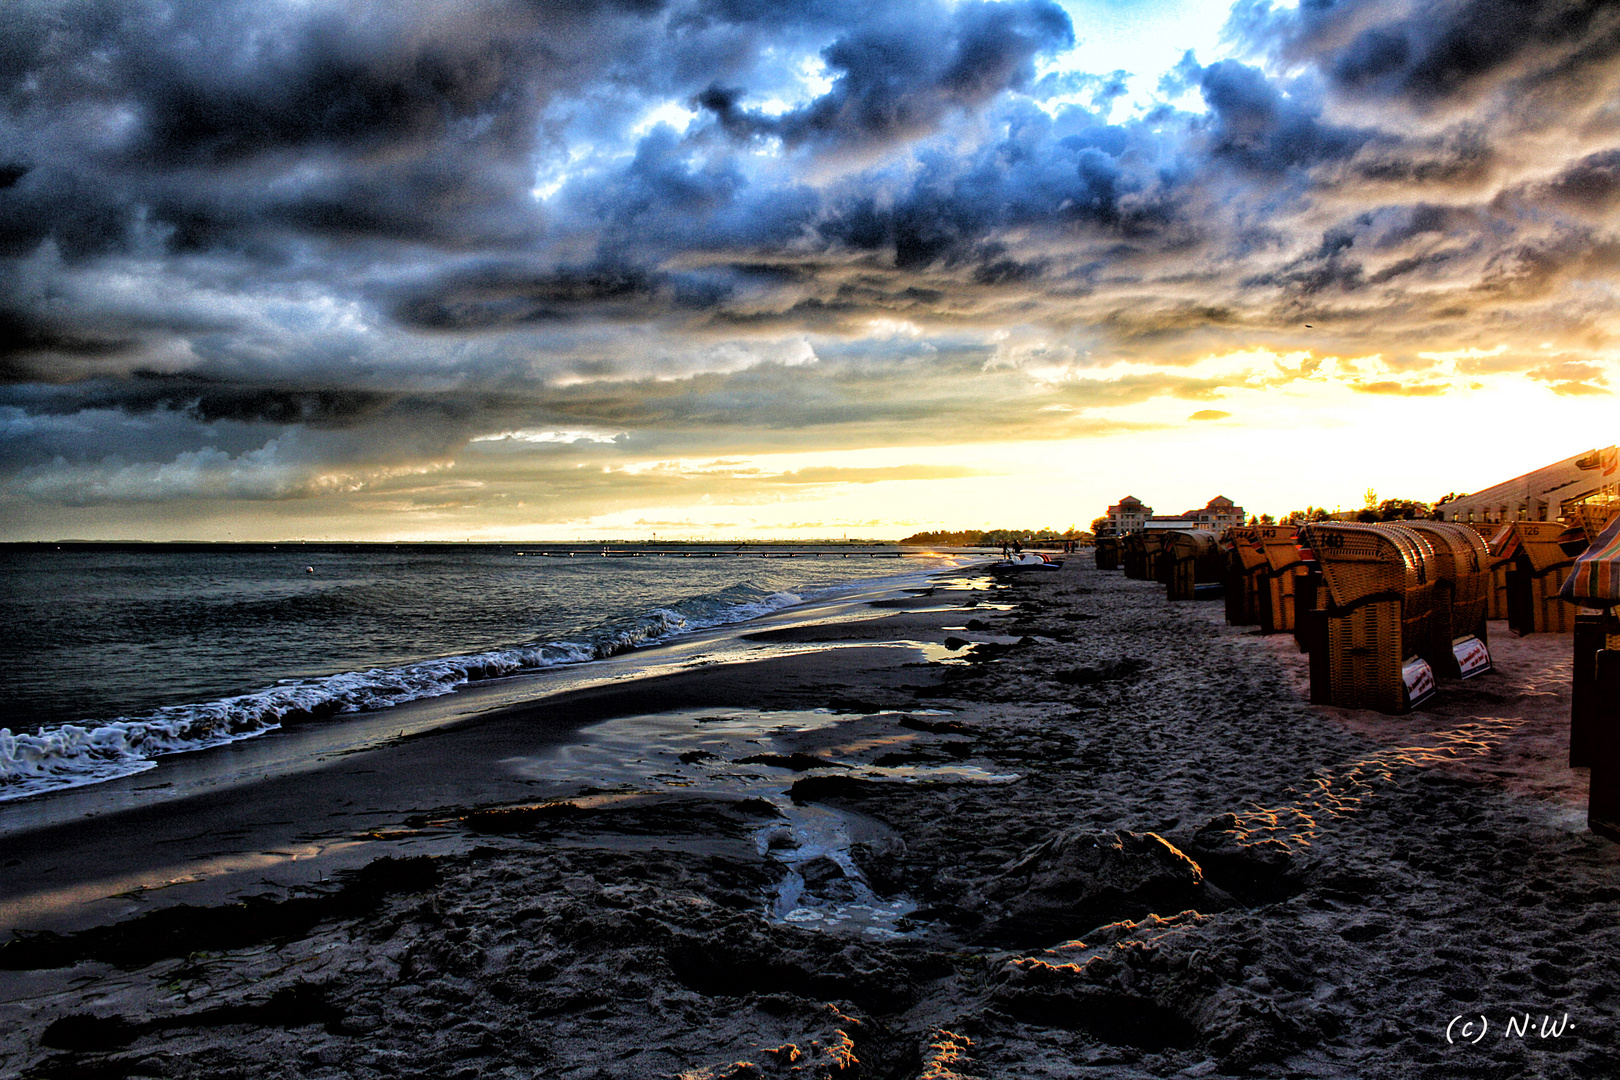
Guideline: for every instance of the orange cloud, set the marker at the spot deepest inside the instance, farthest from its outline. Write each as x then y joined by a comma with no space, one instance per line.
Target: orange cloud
1396,389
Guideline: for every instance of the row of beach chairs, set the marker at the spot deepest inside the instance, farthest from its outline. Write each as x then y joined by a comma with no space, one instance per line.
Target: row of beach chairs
1385,610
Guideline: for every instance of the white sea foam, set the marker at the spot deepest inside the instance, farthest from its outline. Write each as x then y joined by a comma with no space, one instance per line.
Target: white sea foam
76,754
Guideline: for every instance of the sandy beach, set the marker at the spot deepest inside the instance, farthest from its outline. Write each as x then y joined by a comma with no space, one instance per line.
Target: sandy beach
1034,824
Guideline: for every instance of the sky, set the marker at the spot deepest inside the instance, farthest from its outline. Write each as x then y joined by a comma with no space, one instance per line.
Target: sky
529,269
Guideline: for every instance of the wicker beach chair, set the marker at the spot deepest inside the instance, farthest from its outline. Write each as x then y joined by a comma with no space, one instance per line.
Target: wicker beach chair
1417,616
1158,548
1310,600
1593,583
1377,584
1589,711
1501,541
1284,567
1245,565
1603,802
1132,556
1459,645
1193,557
1536,569
1595,512
1106,553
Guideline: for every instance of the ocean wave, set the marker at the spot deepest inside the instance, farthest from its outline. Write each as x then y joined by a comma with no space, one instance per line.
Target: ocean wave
76,754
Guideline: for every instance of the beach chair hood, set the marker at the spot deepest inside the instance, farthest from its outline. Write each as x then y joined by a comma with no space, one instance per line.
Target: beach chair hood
1280,543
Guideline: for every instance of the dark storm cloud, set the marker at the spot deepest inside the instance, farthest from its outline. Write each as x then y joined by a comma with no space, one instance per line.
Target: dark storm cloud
1593,183
308,244
1460,158
1261,127
512,296
901,73
1588,188
219,120
22,334
1440,53
203,399
1064,175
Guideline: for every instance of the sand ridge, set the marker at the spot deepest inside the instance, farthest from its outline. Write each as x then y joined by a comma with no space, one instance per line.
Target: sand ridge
1192,872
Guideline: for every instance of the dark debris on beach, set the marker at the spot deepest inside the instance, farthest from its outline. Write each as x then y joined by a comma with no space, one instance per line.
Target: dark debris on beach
1193,874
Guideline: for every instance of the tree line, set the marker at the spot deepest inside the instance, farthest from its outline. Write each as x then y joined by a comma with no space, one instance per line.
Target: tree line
991,537
1375,509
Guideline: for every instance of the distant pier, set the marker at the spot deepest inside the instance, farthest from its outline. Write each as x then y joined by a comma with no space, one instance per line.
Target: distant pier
622,553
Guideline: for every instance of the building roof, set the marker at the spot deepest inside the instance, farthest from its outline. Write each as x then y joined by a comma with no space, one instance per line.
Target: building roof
1552,485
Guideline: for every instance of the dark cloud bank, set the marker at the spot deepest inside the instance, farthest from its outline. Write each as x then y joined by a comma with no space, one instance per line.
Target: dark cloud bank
255,250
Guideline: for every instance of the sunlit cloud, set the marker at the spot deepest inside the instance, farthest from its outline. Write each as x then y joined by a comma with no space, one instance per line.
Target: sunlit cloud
533,435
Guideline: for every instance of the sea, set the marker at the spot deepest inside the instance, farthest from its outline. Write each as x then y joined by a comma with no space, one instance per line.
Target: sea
117,654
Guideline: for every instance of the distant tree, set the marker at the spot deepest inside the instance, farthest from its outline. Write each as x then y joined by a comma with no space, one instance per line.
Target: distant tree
1396,510
991,537
1404,510
1309,514
1267,519
944,538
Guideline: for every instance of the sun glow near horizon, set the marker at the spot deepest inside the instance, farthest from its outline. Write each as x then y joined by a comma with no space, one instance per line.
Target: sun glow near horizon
1271,448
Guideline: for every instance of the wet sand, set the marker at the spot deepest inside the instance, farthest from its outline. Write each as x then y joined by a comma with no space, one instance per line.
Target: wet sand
1069,830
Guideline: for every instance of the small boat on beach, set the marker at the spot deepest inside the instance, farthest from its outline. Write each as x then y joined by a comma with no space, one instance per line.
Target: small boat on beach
1031,560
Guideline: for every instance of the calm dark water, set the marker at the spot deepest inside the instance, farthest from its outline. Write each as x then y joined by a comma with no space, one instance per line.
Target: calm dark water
114,654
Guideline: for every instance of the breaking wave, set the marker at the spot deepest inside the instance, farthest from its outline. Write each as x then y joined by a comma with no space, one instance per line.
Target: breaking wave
72,755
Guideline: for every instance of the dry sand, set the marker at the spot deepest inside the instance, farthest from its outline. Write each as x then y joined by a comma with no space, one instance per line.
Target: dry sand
1093,834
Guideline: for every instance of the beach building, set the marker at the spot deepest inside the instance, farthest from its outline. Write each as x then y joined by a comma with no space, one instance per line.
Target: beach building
1542,495
1126,516
1216,515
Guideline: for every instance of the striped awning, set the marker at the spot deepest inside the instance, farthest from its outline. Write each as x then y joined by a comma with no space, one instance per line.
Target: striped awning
1595,579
